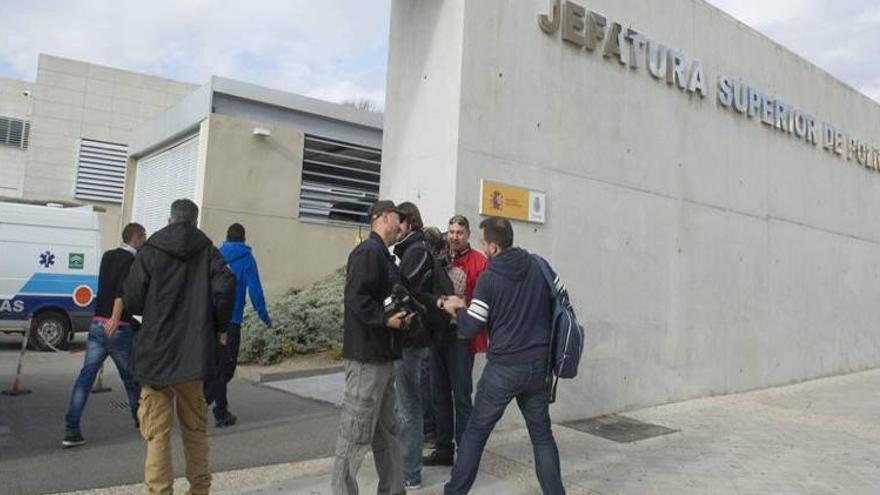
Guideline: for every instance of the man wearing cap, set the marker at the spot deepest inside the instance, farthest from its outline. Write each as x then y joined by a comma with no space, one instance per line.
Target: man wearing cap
370,346
452,356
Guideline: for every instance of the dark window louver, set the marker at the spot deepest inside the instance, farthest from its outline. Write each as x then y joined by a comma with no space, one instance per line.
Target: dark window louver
339,181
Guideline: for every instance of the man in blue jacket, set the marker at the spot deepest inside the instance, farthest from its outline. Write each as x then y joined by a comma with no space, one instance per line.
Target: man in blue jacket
513,300
239,258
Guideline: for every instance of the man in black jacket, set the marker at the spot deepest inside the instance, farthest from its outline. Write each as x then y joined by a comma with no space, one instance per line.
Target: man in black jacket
109,334
513,299
417,274
370,346
181,285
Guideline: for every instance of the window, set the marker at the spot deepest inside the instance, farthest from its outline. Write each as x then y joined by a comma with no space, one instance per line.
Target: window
163,177
101,172
15,132
339,181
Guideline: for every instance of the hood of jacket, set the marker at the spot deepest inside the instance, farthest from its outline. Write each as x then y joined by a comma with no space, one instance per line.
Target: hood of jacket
233,251
412,239
512,264
182,240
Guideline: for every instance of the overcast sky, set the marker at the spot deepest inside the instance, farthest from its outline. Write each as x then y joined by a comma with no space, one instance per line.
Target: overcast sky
336,49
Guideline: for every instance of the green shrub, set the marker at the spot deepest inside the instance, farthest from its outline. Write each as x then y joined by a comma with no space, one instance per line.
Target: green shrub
304,322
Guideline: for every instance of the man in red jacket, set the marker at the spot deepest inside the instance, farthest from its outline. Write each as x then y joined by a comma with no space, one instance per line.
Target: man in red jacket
452,358
473,263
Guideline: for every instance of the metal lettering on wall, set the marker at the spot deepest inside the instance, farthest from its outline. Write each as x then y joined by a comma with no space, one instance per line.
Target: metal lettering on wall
589,31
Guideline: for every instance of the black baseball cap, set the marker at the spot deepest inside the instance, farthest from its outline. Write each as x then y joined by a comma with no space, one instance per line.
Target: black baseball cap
379,208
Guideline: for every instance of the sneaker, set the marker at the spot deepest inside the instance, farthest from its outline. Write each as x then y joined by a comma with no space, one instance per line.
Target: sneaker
228,420
412,485
72,438
438,459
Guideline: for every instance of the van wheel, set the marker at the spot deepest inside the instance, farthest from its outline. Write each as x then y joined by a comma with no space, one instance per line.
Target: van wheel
49,331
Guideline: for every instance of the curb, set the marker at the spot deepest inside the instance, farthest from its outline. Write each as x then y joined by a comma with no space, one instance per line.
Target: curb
292,375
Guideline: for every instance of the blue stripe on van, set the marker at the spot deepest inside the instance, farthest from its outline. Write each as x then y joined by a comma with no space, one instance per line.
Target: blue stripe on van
58,283
34,304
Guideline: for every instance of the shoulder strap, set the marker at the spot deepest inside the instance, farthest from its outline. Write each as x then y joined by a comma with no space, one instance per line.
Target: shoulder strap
551,381
545,270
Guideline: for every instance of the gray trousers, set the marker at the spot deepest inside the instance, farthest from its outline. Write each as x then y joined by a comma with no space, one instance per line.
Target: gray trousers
368,422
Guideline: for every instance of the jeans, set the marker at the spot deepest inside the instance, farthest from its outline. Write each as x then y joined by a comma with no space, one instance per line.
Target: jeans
427,398
409,410
452,367
98,347
367,422
501,383
216,386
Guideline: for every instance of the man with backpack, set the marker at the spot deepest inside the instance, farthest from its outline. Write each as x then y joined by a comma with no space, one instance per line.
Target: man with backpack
515,301
425,282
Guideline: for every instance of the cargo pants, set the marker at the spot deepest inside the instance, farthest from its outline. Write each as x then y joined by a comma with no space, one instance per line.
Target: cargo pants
368,422
156,415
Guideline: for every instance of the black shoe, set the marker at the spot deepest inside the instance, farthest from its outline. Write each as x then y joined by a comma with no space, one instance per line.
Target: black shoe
438,459
72,438
227,420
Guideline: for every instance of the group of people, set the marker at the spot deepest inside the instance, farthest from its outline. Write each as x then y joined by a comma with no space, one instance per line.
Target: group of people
430,304
465,301
180,352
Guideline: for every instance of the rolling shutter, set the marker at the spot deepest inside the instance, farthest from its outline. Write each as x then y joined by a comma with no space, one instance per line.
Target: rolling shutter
163,177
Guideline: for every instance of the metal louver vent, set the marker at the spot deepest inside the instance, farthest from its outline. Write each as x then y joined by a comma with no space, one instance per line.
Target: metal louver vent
15,132
339,181
101,172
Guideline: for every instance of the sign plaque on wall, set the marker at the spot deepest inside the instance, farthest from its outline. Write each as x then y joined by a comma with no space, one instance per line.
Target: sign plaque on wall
512,202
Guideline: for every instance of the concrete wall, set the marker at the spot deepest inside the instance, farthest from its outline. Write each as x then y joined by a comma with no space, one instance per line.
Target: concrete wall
255,181
15,102
419,156
75,100
705,252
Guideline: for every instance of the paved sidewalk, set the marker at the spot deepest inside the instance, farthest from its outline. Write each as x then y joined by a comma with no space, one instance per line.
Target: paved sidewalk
819,437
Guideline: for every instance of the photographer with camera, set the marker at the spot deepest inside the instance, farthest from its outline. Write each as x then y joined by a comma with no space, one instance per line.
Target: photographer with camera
417,270
370,346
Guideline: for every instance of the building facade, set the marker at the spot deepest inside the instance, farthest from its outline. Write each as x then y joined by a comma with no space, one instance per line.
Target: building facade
298,173
712,199
64,138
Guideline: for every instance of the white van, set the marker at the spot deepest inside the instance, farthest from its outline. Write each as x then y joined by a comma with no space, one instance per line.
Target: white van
49,259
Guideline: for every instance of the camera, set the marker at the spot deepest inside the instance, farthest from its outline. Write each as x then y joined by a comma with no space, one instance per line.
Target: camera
400,300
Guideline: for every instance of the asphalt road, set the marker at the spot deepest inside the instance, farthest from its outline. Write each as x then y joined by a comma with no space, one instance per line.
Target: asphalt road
274,427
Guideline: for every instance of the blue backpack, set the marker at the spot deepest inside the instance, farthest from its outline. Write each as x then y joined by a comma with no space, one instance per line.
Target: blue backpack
566,335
